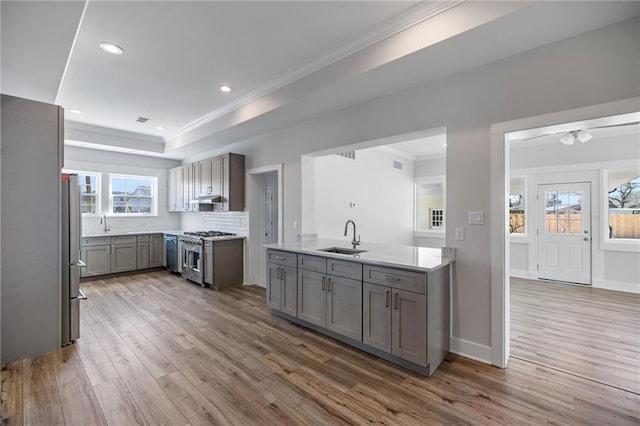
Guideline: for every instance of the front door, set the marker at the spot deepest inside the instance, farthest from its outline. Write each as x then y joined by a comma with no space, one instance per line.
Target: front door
564,232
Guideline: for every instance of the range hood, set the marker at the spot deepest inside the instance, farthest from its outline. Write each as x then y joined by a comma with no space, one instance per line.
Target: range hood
208,199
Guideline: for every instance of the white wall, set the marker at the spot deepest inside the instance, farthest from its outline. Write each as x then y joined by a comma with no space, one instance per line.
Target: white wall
536,82
383,197
105,162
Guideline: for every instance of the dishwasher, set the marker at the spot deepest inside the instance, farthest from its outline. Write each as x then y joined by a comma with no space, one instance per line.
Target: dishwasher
171,252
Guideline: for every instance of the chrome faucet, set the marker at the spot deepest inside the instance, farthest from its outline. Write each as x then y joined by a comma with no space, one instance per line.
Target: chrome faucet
103,220
346,226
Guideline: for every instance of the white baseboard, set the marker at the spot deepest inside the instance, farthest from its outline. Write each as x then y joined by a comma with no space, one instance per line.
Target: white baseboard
617,285
469,349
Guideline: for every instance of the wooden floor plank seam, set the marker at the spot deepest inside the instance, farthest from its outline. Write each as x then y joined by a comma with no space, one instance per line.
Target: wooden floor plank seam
184,354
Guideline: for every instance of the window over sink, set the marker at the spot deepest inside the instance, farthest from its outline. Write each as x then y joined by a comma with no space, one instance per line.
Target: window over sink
89,183
131,195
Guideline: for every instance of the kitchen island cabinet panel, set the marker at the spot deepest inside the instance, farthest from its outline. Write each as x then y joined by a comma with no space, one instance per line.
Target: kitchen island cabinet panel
312,302
376,316
409,326
344,307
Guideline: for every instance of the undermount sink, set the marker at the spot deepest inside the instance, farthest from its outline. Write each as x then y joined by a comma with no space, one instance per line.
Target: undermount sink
342,250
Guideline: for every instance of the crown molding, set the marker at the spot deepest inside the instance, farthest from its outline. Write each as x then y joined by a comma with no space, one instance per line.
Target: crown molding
401,22
92,128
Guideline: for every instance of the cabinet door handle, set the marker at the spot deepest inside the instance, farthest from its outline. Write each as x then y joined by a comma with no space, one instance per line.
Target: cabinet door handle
279,257
390,278
387,298
323,283
283,275
329,285
278,273
395,301
113,249
108,249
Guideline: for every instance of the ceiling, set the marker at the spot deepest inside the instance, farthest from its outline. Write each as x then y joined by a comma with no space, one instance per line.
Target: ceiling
287,61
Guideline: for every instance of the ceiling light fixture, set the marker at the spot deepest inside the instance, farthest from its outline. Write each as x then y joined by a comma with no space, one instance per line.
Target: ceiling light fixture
584,136
226,89
444,145
570,137
112,48
160,127
74,111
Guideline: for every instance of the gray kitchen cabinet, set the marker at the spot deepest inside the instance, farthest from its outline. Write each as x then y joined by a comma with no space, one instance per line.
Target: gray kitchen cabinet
282,282
188,186
142,261
232,182
376,316
330,301
97,258
124,256
409,326
173,189
208,177
395,319
344,306
312,300
156,251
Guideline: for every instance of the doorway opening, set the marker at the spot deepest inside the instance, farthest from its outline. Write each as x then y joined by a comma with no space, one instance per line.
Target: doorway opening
264,200
563,189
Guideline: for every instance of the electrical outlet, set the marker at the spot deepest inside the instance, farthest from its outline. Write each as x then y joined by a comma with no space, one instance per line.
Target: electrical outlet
459,234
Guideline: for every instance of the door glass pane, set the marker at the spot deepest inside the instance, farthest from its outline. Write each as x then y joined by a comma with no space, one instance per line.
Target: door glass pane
563,212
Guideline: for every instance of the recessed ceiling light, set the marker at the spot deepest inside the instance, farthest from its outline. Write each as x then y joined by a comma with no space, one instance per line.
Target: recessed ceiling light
444,144
225,88
74,111
109,47
160,127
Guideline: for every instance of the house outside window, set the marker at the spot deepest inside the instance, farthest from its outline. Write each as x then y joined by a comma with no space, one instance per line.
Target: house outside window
430,201
517,206
623,199
133,195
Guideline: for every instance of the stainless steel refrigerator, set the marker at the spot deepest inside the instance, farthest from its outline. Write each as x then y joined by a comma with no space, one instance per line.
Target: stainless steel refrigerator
71,262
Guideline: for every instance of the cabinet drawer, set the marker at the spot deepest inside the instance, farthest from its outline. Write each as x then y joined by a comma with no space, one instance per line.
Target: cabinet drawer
397,278
125,239
344,269
143,238
282,258
95,241
312,263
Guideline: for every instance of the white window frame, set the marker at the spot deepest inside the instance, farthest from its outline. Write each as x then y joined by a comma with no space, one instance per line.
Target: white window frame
98,177
614,244
527,209
434,232
154,195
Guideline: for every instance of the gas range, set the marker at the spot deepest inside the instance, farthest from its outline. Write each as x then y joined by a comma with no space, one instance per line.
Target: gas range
195,237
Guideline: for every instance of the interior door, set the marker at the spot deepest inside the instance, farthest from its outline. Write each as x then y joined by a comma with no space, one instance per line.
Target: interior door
564,232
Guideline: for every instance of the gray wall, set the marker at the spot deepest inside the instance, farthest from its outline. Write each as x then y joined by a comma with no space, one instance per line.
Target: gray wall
540,81
30,257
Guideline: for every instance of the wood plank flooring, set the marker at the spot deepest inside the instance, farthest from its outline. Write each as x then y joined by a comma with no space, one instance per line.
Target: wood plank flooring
593,333
156,349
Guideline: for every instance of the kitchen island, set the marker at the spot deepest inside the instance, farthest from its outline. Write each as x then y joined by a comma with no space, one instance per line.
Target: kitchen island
390,301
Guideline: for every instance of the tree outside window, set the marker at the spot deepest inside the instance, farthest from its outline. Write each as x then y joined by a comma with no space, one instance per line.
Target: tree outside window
517,205
624,205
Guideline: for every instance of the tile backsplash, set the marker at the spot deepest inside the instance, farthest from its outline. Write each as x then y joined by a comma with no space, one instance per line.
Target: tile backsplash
235,222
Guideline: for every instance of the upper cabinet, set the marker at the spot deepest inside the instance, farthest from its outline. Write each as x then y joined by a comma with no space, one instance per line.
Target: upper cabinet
220,178
232,172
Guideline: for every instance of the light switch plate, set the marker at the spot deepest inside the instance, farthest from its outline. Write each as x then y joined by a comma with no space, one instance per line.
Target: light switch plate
476,218
459,234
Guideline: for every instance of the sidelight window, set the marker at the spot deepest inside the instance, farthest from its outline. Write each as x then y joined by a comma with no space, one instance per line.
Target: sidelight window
133,195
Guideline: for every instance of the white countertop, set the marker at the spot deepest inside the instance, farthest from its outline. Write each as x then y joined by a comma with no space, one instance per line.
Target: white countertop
424,259
170,232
